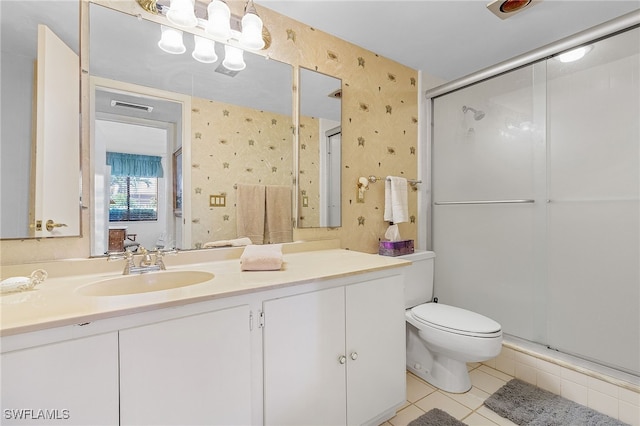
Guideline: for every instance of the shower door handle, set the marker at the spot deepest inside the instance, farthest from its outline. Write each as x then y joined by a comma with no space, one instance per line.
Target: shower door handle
452,203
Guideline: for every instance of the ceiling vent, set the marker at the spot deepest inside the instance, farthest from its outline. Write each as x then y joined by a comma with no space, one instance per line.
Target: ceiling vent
504,9
124,104
223,70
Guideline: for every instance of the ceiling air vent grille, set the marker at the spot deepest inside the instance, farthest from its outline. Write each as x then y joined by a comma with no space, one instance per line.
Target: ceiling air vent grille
124,104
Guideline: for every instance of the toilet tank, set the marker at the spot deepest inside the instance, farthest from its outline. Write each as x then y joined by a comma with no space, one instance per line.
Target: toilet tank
418,279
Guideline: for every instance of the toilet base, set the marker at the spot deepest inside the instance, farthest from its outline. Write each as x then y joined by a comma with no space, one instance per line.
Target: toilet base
443,372
446,374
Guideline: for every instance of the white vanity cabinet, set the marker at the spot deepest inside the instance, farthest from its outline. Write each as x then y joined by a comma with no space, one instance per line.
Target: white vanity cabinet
72,382
335,356
193,370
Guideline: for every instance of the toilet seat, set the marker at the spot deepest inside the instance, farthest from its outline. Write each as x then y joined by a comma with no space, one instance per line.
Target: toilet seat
456,320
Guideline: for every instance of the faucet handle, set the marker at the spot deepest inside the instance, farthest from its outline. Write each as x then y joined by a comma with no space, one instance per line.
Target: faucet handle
146,257
127,255
160,254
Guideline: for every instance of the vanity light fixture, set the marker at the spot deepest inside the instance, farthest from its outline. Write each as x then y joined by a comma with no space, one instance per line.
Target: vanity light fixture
218,21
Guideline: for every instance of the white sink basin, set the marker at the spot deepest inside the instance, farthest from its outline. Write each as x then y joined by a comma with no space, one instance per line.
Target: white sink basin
144,283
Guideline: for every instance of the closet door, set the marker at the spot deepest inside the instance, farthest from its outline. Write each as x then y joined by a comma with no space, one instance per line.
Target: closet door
488,189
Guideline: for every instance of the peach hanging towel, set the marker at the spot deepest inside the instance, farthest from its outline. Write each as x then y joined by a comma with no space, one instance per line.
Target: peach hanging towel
278,226
250,212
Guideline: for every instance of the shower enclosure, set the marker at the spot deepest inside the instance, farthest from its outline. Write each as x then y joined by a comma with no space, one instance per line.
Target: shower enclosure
535,200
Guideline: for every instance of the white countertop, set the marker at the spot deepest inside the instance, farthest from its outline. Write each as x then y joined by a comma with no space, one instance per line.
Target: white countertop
55,302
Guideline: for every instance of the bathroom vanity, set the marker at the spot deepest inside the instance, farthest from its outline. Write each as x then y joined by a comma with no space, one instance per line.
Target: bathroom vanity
319,342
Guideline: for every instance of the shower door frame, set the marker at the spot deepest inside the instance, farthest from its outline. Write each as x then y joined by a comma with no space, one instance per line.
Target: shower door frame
624,23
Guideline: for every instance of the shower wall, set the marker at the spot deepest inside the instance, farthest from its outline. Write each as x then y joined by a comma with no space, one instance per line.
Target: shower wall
535,218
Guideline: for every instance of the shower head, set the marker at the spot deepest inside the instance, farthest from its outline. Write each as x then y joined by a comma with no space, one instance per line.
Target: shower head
477,114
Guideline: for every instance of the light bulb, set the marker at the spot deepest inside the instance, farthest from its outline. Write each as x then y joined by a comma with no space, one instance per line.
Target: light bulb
181,13
171,40
251,37
575,54
205,50
233,58
219,24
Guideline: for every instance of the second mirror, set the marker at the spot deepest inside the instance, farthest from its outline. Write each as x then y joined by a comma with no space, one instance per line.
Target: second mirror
320,151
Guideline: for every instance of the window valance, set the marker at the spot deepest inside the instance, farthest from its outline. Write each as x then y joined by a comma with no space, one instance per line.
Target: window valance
134,165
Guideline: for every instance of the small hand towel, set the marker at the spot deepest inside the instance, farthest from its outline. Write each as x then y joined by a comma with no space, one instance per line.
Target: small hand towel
267,257
396,207
250,206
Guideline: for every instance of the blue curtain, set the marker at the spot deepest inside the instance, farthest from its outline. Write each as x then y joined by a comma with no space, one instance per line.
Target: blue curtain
134,165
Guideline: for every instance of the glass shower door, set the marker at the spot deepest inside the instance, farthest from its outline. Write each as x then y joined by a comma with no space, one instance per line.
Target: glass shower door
488,188
593,302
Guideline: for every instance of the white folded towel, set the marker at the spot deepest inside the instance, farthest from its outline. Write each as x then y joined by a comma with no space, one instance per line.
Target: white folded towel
396,207
266,257
238,242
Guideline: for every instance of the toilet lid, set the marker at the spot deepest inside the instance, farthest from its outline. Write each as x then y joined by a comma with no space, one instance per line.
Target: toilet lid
456,319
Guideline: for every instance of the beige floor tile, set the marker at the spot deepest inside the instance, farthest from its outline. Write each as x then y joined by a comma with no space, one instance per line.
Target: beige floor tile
473,398
417,389
486,381
501,421
443,402
495,373
473,365
405,416
403,406
475,419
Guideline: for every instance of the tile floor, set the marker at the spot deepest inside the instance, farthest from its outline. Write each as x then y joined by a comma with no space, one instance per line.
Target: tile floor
467,407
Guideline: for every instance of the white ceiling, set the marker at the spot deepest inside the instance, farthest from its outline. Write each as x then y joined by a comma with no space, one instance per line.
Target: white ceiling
449,39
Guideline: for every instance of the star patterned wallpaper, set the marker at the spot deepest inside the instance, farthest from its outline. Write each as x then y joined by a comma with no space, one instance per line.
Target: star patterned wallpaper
379,125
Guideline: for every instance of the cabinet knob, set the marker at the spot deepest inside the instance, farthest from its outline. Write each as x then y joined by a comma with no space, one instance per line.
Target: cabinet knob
342,359
354,355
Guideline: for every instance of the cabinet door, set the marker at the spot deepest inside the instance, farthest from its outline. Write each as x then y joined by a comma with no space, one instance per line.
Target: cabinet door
73,383
188,371
375,348
304,380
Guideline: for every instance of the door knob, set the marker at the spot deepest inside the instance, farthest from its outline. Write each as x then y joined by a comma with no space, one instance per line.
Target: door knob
342,359
354,355
51,224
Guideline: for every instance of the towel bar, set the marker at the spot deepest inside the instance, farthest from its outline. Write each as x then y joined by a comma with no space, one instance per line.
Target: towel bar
413,182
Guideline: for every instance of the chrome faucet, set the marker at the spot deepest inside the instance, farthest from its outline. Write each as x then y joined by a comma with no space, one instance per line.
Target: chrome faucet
146,264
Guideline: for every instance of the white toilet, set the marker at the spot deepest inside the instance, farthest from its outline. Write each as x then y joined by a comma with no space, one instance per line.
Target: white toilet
441,339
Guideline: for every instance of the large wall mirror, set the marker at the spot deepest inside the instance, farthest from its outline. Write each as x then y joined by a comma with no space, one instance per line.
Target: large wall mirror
208,130
40,142
320,151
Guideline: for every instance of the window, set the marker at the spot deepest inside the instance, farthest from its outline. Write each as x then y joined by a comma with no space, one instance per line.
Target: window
133,199
134,186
